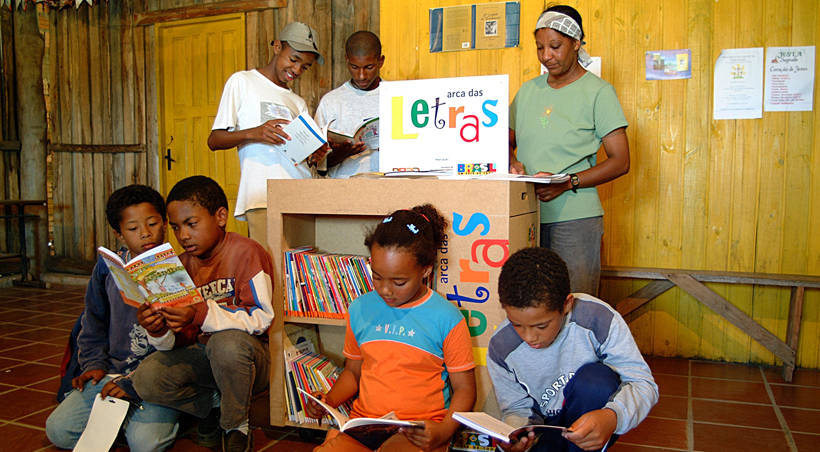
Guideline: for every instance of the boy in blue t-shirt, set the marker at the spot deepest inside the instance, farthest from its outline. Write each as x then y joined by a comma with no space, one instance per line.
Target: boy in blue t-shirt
564,359
111,342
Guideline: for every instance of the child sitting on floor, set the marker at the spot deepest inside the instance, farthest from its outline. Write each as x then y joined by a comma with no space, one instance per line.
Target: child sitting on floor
406,346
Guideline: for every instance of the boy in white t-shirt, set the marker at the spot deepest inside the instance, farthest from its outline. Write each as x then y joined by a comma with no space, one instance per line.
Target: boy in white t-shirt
254,106
347,107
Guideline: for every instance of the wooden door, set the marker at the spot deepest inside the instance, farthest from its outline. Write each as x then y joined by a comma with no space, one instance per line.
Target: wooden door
195,58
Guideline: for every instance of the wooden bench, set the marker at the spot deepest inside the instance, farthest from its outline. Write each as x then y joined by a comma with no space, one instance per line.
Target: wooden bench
19,207
691,282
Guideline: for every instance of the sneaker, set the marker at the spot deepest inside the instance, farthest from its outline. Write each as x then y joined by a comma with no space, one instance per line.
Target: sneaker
207,430
236,441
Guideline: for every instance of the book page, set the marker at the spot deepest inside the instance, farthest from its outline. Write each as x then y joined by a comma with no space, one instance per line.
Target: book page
340,418
131,293
162,276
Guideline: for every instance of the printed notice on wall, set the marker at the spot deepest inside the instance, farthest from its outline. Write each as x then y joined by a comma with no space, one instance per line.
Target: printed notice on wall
738,89
480,26
789,78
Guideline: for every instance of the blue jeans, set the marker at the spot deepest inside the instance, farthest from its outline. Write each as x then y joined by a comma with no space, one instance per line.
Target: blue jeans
233,362
148,427
578,242
589,390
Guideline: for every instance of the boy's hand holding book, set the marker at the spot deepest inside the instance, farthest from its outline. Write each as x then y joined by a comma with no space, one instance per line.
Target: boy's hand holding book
177,317
315,410
270,132
433,435
151,320
593,429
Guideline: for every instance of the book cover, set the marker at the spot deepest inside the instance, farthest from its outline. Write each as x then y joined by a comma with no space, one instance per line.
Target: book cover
305,138
367,133
155,276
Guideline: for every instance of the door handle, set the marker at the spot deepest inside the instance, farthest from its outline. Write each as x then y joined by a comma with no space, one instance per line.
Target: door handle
168,158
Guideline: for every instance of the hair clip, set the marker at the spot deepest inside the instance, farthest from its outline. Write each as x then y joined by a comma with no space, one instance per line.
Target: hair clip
413,228
387,220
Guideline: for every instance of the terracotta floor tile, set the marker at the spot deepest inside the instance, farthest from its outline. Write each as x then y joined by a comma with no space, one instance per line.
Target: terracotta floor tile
37,419
676,366
807,421
7,343
27,374
51,320
741,391
804,377
734,413
623,447
51,385
672,385
725,370
807,443
18,439
670,407
55,360
290,445
5,363
796,396
22,402
51,336
188,445
659,433
8,329
34,352
15,315
729,439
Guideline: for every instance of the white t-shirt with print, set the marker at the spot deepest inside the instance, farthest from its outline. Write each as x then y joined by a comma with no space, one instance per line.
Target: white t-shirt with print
249,99
345,109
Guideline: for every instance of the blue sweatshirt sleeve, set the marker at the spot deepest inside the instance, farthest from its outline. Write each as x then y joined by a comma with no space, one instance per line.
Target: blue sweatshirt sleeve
93,339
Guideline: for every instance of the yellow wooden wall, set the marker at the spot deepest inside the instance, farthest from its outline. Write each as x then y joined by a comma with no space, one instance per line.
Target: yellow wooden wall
740,195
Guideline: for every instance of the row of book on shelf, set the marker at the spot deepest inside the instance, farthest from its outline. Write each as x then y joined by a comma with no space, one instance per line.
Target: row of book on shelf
322,284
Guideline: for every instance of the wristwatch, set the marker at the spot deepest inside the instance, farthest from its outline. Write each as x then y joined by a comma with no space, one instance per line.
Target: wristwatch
574,182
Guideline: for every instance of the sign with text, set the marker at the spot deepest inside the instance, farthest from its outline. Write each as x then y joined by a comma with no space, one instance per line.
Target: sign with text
460,124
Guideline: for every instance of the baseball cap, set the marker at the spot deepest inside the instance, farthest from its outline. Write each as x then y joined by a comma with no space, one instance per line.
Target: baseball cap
301,37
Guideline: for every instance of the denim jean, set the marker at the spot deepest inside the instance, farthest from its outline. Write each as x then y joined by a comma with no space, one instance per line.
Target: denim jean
590,389
147,427
232,362
578,242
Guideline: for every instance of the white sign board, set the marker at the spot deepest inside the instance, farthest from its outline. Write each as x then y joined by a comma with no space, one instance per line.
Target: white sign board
460,124
789,78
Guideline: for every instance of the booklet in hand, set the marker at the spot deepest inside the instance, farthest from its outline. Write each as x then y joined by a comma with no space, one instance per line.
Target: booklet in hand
371,432
484,423
305,138
367,133
155,276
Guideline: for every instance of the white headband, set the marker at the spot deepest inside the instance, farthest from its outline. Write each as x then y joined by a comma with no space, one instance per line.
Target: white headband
566,25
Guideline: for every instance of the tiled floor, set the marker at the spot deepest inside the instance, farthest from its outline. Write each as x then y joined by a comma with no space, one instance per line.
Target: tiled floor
704,406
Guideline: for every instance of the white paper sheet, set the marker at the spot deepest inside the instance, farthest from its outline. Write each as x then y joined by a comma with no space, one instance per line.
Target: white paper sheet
103,424
738,88
789,78
305,137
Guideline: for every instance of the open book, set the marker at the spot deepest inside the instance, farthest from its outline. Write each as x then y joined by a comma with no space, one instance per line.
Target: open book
371,432
484,423
305,138
155,276
367,133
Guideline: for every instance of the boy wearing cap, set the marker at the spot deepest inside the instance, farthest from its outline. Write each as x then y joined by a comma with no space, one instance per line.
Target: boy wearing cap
349,106
254,106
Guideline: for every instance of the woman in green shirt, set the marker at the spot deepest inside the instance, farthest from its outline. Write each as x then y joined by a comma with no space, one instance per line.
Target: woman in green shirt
558,121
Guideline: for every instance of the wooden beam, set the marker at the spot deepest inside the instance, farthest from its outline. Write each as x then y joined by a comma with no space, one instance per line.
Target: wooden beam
793,329
96,148
205,10
642,296
734,315
763,279
9,145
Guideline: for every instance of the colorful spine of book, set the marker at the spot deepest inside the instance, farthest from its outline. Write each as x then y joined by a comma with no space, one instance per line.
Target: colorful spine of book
323,285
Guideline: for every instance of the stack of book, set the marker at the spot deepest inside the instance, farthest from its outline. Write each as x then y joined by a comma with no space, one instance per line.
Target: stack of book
323,285
310,372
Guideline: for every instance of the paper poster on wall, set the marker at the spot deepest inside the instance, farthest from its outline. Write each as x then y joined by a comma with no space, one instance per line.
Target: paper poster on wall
479,26
594,66
460,124
789,78
738,84
668,64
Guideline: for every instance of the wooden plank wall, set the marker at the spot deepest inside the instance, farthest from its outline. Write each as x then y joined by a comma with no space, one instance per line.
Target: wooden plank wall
102,83
739,195
9,159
